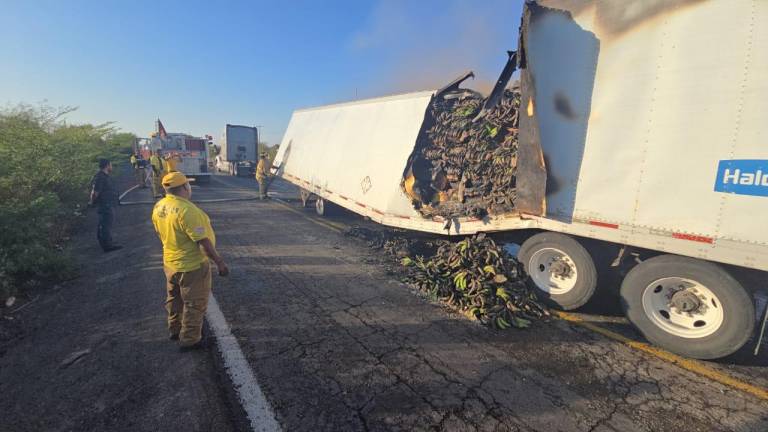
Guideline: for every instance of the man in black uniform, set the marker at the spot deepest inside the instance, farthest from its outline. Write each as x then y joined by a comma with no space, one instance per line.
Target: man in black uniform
104,197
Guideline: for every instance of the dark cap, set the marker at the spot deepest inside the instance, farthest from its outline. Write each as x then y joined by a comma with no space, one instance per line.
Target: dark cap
103,163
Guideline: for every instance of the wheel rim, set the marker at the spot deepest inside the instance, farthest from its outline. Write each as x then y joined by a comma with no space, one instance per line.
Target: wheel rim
320,206
553,271
683,307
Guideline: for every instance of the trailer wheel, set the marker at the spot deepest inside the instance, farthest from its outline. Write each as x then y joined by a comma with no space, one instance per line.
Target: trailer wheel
690,307
320,207
560,268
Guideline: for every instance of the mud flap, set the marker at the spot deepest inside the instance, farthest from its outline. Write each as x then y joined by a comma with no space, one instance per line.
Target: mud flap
761,304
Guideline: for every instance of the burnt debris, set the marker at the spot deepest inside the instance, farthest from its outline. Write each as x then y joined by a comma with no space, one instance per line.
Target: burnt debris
465,158
475,276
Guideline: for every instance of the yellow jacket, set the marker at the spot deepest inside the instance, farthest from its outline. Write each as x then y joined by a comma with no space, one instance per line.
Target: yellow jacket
180,224
157,163
262,169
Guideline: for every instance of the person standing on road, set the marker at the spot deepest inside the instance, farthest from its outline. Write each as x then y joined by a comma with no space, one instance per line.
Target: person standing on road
141,171
135,164
188,243
263,176
156,165
104,197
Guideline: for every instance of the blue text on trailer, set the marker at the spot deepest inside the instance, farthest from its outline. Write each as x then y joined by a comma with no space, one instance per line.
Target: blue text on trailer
743,177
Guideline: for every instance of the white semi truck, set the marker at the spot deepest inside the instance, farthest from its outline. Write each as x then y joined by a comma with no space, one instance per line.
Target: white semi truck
239,145
642,129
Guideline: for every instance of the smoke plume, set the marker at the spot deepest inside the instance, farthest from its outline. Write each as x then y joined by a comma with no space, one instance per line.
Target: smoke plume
425,48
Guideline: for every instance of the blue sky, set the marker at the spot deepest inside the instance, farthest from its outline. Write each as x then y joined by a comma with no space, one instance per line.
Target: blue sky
201,64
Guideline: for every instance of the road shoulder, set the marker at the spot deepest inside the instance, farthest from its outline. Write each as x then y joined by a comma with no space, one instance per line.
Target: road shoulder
93,353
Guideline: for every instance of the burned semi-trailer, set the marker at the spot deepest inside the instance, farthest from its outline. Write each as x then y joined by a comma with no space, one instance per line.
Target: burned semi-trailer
613,143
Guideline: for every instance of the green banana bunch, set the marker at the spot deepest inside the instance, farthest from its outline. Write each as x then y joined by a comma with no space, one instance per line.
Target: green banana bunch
480,279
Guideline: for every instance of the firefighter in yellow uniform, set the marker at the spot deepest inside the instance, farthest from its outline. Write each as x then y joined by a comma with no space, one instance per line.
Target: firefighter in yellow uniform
172,162
135,165
188,243
264,176
157,173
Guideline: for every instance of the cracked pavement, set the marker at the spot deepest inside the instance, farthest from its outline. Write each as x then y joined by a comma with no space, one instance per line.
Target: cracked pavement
337,343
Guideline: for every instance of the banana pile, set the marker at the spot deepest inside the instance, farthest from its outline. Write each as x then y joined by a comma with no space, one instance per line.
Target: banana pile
479,278
395,243
465,164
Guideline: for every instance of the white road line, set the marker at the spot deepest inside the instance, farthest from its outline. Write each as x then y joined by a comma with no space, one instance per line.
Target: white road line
126,192
209,201
220,200
252,399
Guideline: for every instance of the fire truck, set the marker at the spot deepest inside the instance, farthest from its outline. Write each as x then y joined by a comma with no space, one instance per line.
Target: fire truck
188,154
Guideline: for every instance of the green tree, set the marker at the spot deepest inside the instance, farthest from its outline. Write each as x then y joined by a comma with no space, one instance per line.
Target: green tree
45,169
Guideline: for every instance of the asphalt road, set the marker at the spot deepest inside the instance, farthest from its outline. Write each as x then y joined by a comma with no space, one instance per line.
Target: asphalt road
335,342
339,344
92,354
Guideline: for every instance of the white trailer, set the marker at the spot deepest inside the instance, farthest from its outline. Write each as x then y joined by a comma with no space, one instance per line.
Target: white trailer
643,126
239,145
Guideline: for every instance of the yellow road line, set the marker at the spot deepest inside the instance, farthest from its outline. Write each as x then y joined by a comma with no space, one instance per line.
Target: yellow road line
687,364
339,226
325,224
694,366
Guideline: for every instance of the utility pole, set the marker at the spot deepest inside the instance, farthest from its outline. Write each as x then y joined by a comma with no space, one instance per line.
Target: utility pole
260,130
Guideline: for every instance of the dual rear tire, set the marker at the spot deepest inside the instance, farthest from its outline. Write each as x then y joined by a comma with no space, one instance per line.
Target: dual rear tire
688,306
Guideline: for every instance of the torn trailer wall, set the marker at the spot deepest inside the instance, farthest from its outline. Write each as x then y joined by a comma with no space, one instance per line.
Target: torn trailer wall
466,159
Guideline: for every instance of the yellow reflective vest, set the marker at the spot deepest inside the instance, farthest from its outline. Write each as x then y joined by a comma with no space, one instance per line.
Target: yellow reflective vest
157,164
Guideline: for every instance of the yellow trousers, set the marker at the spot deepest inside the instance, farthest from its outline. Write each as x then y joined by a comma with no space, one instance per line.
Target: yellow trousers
187,301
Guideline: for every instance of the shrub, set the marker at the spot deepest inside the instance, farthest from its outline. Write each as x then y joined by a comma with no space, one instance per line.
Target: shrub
45,169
